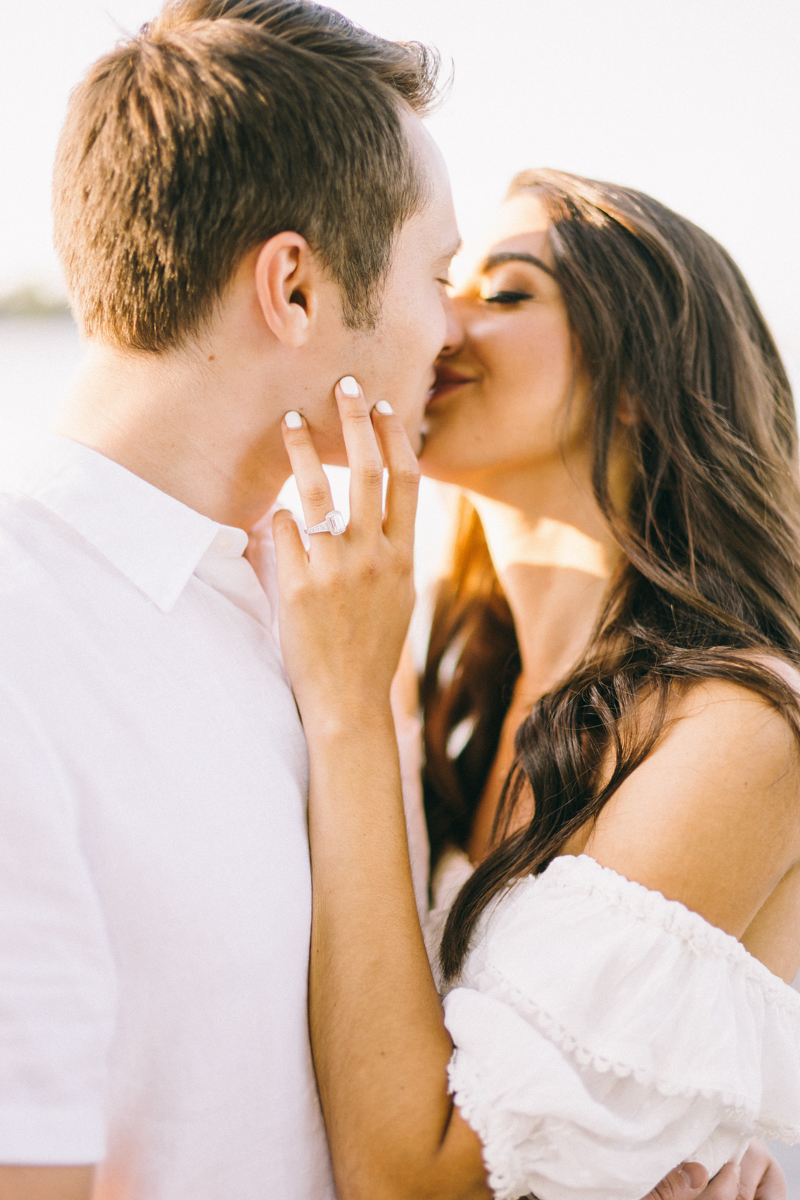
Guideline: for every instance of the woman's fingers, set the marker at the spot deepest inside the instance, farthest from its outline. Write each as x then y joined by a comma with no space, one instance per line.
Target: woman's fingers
290,553
312,482
403,489
363,456
345,606
371,439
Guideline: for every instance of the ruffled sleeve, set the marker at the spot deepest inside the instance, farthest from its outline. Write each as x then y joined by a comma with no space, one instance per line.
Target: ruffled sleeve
604,1034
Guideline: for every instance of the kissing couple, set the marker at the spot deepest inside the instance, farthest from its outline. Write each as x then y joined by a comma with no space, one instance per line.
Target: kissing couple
227,971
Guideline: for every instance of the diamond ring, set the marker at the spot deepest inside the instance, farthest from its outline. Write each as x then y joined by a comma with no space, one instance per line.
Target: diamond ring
334,523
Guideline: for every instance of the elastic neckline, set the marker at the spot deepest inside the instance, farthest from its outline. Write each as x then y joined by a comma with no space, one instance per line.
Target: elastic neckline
647,904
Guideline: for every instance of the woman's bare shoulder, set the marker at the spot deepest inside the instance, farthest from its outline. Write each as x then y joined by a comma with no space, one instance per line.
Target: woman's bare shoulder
712,816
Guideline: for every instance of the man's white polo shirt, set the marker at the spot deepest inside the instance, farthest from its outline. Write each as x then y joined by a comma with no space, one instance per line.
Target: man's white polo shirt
155,896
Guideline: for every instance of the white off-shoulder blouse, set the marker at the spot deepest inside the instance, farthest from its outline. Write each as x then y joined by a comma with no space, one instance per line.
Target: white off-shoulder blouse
603,1034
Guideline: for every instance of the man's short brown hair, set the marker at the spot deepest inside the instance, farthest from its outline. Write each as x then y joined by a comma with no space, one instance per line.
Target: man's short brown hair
222,123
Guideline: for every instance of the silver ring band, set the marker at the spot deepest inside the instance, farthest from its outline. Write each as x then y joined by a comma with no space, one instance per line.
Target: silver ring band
334,523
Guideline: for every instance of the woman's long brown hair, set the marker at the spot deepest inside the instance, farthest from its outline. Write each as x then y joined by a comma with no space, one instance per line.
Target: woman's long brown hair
710,539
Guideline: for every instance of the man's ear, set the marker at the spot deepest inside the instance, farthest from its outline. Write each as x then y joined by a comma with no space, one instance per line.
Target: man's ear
285,272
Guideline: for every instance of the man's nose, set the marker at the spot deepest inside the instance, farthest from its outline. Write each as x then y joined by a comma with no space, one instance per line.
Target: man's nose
454,330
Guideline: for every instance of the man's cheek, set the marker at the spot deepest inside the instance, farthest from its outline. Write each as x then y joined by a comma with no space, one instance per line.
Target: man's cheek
429,336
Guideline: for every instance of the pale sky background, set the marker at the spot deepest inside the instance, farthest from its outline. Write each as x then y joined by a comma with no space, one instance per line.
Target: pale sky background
695,101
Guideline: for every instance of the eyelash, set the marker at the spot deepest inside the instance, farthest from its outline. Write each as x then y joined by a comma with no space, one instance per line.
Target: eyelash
507,297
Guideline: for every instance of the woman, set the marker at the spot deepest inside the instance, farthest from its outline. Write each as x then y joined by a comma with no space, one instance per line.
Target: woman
618,963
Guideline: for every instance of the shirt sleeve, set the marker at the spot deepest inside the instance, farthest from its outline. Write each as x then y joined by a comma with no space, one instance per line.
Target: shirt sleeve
604,1034
57,995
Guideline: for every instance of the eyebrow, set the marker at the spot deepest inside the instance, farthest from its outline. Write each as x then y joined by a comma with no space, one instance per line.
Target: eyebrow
497,260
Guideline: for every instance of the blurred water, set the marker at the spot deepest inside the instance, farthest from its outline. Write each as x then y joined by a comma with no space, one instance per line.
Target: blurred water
38,359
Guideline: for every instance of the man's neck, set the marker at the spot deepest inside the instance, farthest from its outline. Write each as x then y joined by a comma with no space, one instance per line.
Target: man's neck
182,422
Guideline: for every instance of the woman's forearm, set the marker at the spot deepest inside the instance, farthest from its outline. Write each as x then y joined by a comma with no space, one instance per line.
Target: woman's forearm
380,1046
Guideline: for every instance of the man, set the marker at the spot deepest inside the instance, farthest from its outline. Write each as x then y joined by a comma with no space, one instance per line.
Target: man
246,213
247,209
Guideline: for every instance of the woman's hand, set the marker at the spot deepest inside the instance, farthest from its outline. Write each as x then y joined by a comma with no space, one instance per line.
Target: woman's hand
339,662
377,1029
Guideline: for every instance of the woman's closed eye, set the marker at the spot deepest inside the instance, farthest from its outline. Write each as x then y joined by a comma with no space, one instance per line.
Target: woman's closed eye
507,297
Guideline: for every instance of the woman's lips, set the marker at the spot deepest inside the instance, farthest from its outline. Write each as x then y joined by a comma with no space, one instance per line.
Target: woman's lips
447,381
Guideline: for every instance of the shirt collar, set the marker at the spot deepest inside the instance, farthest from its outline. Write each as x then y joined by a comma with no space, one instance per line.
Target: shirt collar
152,538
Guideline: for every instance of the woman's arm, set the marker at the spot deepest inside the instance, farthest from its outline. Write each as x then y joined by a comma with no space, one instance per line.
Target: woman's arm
46,1183
380,1045
373,1002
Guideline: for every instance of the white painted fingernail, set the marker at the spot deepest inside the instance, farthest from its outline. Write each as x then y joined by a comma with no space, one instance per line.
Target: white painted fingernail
349,386
293,420
383,406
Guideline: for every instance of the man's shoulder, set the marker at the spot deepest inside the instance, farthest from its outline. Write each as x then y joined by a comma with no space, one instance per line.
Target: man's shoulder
25,524
20,526
39,555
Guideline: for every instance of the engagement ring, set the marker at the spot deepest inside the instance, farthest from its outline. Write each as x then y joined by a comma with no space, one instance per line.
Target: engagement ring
334,523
